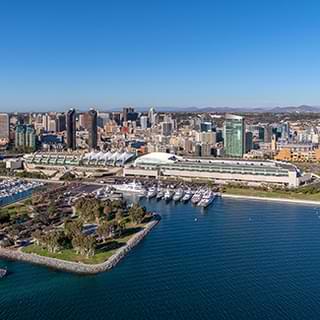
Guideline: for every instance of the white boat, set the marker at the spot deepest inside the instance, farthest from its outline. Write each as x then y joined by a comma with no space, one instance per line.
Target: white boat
207,199
178,195
132,187
160,195
196,197
152,192
168,195
187,196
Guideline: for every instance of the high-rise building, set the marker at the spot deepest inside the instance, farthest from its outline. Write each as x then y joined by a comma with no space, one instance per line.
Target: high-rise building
207,137
103,118
166,128
144,122
205,126
92,128
45,122
20,136
249,141
61,122
152,116
52,125
126,112
71,129
30,141
4,126
234,135
25,137
267,133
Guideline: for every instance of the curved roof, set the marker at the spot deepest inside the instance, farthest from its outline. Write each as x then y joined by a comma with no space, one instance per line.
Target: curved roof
158,158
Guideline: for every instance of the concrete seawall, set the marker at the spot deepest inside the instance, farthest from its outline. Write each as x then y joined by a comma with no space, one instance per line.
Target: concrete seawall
77,267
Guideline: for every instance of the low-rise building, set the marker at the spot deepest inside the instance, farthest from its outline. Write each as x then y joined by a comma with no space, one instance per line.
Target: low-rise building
159,164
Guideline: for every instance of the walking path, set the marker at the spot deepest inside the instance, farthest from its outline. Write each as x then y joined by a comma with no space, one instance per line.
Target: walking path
296,201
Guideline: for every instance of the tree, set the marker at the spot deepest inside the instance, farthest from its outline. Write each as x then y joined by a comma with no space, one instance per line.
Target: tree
72,228
37,236
51,209
89,209
84,245
137,213
103,230
89,246
53,240
4,217
119,214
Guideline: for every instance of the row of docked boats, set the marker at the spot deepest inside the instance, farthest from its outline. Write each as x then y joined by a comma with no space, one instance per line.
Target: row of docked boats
202,197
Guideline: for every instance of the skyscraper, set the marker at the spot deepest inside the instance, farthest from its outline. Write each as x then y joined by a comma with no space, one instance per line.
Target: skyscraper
4,126
92,128
234,136
166,128
71,129
61,122
125,113
144,122
25,137
249,141
152,116
45,122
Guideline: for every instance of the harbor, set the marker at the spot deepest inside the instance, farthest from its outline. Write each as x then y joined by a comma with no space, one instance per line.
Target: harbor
13,190
199,196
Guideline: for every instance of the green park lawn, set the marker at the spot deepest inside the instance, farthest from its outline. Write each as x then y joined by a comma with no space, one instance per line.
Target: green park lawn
294,195
102,253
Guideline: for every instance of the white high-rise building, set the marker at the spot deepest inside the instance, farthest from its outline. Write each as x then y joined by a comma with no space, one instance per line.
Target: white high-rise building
45,121
52,127
4,126
144,122
152,116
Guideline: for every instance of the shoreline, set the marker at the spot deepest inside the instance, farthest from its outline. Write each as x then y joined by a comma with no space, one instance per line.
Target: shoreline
79,267
287,200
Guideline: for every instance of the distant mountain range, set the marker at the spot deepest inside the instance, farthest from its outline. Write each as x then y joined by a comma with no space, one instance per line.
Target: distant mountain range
300,109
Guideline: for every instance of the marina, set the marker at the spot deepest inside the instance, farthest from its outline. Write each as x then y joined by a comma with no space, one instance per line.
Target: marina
200,196
13,190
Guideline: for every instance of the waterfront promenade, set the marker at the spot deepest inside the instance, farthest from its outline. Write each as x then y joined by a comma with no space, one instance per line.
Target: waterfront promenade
81,268
286,200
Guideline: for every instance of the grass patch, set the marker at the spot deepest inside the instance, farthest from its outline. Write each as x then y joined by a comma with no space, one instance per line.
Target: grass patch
294,195
103,251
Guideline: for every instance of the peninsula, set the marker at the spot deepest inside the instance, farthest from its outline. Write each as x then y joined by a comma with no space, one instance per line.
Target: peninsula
81,234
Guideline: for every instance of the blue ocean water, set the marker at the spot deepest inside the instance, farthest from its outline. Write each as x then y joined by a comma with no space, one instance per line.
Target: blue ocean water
238,259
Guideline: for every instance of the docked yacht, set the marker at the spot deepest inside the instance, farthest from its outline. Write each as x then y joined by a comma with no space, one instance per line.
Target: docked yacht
178,195
132,187
207,199
160,195
168,195
152,192
187,196
196,197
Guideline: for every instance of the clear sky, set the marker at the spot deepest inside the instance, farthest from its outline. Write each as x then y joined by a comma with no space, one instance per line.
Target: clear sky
55,54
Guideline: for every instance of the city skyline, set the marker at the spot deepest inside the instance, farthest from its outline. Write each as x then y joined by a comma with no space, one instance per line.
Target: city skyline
222,54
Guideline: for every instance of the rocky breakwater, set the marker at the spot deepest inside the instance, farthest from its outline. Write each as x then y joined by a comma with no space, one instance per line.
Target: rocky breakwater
81,268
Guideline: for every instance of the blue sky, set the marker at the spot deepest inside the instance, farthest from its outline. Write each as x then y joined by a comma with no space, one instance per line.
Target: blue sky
57,54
